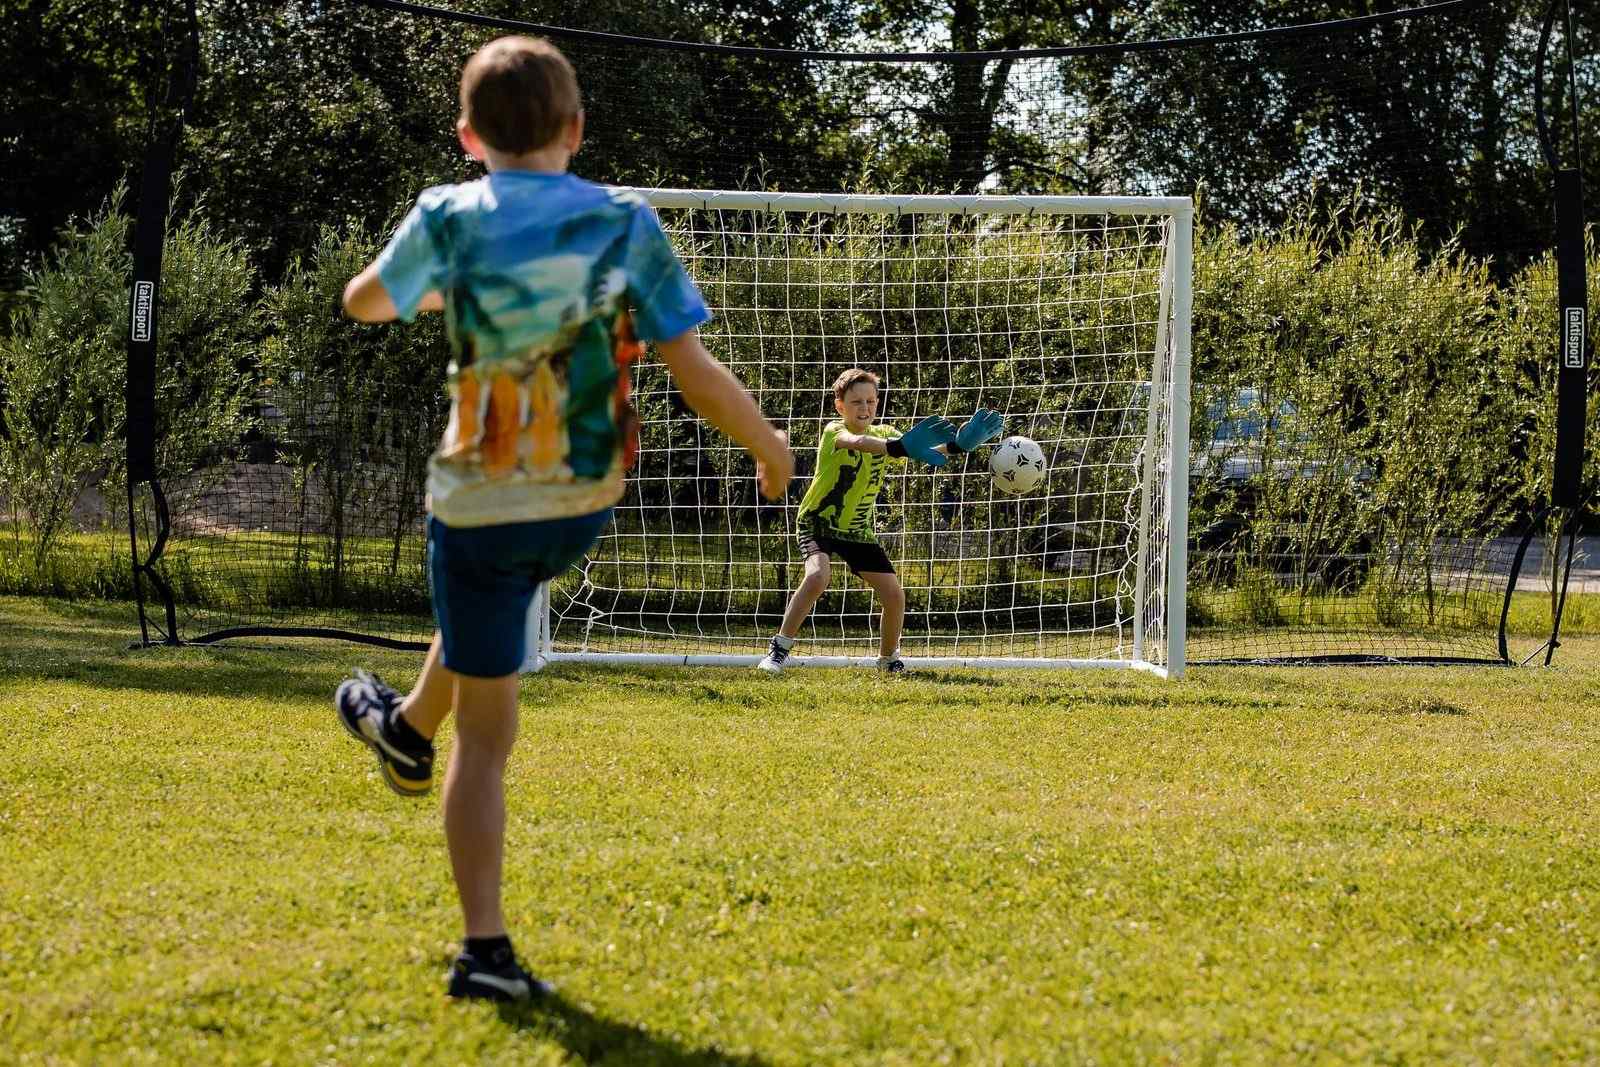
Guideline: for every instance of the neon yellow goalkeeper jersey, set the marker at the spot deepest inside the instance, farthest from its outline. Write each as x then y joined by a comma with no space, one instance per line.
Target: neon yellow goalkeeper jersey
843,495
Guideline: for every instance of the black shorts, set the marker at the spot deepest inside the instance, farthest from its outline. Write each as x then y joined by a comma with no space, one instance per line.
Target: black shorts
862,557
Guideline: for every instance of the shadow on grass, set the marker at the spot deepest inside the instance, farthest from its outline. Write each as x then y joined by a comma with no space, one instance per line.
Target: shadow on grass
949,680
592,1039
290,675
1412,706
89,651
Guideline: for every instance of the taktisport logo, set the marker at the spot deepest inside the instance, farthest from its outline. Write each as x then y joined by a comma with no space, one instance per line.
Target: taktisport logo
144,301
1573,348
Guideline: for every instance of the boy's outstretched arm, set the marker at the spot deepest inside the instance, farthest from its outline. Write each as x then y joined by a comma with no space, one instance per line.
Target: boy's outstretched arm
723,401
367,300
928,441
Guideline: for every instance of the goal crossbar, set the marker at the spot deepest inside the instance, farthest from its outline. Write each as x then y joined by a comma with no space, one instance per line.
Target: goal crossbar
915,203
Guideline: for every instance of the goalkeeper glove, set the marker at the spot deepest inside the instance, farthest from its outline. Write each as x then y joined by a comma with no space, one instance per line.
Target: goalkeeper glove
985,425
922,441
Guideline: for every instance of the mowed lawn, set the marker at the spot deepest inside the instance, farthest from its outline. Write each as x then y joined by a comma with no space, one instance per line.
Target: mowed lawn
1251,865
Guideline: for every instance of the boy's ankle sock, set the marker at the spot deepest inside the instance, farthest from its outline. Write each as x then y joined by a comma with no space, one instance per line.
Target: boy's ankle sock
785,643
404,735
494,950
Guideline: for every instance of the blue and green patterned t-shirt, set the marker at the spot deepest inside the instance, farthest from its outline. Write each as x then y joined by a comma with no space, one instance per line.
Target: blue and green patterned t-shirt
550,284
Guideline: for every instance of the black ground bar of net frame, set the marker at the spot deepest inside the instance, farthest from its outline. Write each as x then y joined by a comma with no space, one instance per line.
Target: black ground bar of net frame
308,631
1349,659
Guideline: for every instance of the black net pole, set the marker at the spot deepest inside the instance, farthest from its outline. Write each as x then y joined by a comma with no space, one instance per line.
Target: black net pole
144,302
1572,285
1571,278
1573,346
1572,382
149,236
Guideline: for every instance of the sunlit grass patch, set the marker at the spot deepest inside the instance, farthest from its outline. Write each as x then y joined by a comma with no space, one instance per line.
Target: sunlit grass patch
1259,865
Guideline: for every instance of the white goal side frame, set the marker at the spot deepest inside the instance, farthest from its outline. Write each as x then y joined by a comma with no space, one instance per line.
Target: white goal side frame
1176,300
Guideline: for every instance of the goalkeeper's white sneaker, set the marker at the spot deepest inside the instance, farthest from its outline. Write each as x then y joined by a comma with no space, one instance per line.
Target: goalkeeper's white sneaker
892,664
776,659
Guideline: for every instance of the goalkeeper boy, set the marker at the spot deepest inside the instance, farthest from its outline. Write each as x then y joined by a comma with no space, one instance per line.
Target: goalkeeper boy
548,283
837,515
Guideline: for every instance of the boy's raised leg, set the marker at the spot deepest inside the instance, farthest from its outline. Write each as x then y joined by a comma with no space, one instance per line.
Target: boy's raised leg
431,699
370,710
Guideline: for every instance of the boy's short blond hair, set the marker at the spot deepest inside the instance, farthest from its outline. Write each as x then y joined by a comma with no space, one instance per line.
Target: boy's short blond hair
850,379
519,93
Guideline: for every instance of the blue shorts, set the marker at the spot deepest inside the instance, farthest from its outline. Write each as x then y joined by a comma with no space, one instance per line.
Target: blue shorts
484,578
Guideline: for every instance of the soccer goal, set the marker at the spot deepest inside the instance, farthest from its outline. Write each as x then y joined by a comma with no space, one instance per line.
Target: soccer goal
1069,315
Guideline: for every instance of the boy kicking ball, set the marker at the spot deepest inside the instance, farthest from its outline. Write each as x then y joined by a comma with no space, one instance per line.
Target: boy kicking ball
838,515
550,283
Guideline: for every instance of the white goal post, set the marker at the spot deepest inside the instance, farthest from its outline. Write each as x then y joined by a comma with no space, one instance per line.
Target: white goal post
1069,315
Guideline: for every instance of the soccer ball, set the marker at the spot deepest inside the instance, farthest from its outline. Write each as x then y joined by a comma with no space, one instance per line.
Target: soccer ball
1017,465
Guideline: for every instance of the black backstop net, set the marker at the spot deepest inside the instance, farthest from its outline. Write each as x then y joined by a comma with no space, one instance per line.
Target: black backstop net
1374,333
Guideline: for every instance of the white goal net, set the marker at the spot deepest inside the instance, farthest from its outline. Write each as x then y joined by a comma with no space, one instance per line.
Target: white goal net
1068,315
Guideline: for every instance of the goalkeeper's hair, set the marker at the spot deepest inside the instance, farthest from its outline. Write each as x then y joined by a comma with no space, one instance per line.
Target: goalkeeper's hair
519,93
851,378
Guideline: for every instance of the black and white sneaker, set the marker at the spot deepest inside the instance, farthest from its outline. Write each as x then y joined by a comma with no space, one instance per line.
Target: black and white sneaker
776,658
892,664
501,978
367,708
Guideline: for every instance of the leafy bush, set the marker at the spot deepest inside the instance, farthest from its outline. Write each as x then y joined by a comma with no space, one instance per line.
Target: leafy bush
64,365
359,409
1397,406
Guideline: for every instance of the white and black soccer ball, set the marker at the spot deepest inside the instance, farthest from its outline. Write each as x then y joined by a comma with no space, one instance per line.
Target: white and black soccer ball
1017,465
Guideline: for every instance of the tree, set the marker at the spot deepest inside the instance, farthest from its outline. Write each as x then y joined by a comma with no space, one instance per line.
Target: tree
979,113
311,111
1432,115
72,113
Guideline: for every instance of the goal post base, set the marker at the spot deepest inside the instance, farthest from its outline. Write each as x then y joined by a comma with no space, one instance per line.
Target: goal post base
717,659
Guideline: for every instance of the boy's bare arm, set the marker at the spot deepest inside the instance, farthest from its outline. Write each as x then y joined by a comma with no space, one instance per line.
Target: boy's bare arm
366,299
723,401
862,442
878,446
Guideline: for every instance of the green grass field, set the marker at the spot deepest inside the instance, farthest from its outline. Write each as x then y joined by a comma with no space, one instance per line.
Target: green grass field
1248,866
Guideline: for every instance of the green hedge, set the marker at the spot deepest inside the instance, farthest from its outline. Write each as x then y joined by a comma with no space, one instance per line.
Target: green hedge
1421,383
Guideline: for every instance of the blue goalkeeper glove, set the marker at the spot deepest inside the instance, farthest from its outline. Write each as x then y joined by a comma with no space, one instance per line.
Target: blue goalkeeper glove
922,441
985,425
